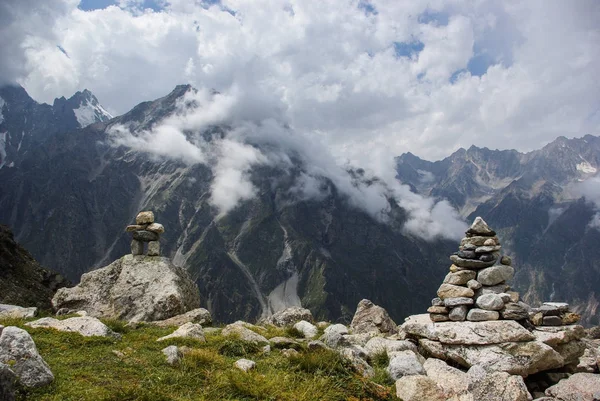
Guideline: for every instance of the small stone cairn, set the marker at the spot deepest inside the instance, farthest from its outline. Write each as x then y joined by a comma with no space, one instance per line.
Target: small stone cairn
553,314
145,230
476,289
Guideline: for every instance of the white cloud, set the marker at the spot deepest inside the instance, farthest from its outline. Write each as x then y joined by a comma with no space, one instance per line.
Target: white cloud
590,189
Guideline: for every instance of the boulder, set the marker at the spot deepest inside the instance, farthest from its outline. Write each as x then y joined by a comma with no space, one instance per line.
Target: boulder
17,312
356,359
188,330
140,288
18,350
571,351
245,365
490,302
496,386
87,326
289,316
243,333
405,363
495,275
333,335
579,387
146,217
452,381
307,329
198,315
454,291
7,383
372,318
480,227
377,345
315,345
554,336
173,354
419,388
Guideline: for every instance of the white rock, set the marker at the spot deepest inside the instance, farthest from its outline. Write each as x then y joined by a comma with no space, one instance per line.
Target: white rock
556,335
495,275
419,388
496,386
289,316
307,329
372,318
333,335
198,315
173,354
8,379
378,345
17,312
452,381
19,351
188,330
87,326
245,364
139,288
405,363
243,333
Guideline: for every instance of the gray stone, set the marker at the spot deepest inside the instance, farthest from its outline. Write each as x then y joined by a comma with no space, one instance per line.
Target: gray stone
554,336
514,311
439,317
188,330
19,351
377,345
87,326
495,275
173,354
289,316
571,351
458,313
467,254
549,310
460,278
153,248
238,330
405,363
562,307
487,257
139,288
355,357
135,227
307,329
470,263
333,335
315,345
492,302
438,309
137,247
552,321
480,315
480,227
496,386
454,291
372,318
470,333
579,387
146,217
450,302
17,312
506,260
198,315
419,388
477,241
7,383
474,285
488,249
245,365
437,302
505,297
468,247
490,242
451,380
495,289
156,228
145,236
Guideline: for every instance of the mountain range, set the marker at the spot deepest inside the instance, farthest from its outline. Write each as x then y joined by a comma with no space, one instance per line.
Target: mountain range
68,191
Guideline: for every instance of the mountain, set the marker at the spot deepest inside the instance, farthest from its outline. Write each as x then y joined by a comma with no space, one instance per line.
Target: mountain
70,200
537,204
22,280
25,123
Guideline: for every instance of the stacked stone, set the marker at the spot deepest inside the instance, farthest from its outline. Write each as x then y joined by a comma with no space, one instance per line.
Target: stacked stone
553,314
476,289
145,230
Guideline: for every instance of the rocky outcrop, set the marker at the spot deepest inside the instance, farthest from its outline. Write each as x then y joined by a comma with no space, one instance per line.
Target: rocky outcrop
18,350
372,318
87,326
133,288
288,316
579,387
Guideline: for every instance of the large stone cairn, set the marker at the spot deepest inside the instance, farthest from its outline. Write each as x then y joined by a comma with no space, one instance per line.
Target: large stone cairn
145,230
476,289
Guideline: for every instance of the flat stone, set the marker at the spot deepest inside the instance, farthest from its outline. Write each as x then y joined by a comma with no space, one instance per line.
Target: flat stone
145,236
578,387
506,260
454,291
188,330
491,302
198,315
438,309
570,318
552,321
480,227
488,249
135,227
458,301
470,263
480,315
460,278
419,326
490,242
377,345
458,313
437,302
419,388
474,285
87,326
494,289
495,275
549,310
467,254
245,365
146,217
153,248
477,240
468,247
283,342
156,228
487,257
137,247
289,316
514,311
496,386
561,306
17,312
439,317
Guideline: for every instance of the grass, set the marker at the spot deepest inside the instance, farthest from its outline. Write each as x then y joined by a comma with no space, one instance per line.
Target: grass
134,368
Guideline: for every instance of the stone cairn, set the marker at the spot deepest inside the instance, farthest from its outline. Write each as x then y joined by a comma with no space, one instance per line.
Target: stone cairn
145,230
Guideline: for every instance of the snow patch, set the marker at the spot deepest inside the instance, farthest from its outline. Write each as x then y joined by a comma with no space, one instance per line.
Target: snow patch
586,168
2,103
89,113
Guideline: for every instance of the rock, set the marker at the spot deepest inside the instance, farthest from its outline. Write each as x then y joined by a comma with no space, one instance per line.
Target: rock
450,302
552,321
487,257
358,339
458,313
470,263
480,227
478,333
437,302
477,240
492,302
496,386
137,288
588,362
289,316
480,315
419,326
315,345
505,297
460,278
87,326
173,354
468,247
266,349
289,352
488,249
494,289
514,296
506,260
570,318
135,227
571,351
495,275
333,335
377,345
243,333
7,383
579,387
283,342
137,247
418,388
474,284
550,310
358,363
517,358
452,381
467,254
561,307
156,228
145,236
454,291
490,242
405,363
554,336
593,333
198,315
146,217
188,330
514,311
153,248
439,317
17,312
18,350
370,317
438,309
245,365
307,329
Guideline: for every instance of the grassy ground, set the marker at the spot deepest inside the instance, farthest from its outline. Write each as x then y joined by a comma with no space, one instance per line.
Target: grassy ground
133,368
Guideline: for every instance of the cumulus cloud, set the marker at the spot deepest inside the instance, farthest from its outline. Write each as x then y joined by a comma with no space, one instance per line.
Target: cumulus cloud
590,189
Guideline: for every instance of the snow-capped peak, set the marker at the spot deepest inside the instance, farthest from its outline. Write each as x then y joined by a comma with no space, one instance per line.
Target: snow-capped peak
90,111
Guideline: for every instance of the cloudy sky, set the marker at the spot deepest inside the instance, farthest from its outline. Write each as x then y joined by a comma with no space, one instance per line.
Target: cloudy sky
366,77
